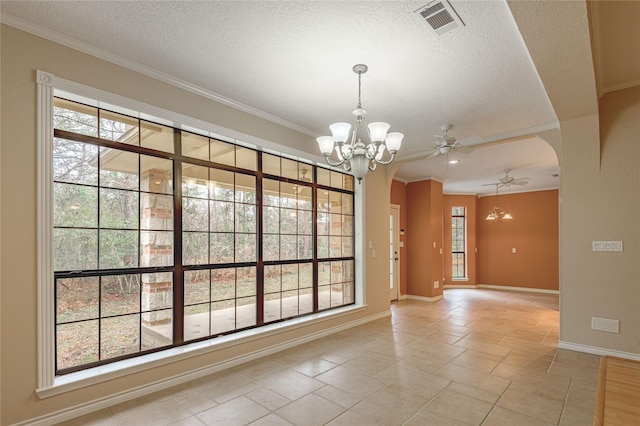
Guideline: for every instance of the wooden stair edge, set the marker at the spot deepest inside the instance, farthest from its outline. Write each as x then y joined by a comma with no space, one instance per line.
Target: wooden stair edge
598,416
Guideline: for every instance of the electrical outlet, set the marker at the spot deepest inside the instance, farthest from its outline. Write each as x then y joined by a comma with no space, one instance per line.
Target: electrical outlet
436,284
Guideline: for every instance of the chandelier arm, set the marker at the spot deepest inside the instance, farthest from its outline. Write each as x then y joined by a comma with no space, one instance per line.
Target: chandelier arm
386,162
372,165
332,163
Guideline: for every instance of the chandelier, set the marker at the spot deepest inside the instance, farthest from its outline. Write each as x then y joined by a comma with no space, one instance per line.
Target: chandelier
355,152
497,212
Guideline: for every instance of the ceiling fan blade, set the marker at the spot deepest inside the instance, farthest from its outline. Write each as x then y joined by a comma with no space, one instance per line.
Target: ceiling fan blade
464,149
473,140
426,148
519,183
434,154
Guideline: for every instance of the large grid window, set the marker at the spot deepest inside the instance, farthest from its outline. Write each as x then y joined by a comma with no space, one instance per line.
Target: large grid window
458,243
164,237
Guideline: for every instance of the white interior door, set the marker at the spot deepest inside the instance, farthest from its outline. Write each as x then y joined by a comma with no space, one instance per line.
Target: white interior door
394,252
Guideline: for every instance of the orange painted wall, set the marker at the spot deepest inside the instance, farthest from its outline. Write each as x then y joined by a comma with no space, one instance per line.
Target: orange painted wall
470,202
424,228
399,197
533,232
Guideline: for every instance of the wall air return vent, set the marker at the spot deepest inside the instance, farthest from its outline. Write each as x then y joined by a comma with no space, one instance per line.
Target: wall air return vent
439,16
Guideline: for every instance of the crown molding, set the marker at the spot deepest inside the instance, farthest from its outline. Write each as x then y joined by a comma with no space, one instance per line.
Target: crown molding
147,71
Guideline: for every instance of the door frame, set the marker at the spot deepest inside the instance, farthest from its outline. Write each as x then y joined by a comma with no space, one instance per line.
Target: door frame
394,212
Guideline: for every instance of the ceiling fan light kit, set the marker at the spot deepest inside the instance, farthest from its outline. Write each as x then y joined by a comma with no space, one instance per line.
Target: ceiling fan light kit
354,153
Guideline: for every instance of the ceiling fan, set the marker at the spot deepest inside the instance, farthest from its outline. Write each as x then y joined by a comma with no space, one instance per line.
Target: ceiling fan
507,181
444,144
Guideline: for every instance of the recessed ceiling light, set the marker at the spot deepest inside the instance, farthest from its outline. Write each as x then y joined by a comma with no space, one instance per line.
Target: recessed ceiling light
454,161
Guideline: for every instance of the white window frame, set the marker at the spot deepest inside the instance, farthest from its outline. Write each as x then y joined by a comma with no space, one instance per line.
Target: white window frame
48,86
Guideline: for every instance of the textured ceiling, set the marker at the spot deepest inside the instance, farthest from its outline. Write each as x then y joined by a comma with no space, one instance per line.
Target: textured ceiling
291,62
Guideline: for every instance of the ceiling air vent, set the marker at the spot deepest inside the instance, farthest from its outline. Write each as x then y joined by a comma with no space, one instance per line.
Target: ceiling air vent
440,16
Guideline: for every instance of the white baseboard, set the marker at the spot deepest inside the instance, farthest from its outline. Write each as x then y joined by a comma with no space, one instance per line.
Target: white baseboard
447,286
597,351
501,287
402,297
424,298
98,404
527,289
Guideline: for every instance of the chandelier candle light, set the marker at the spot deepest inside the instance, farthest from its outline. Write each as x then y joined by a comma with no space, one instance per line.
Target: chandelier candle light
357,155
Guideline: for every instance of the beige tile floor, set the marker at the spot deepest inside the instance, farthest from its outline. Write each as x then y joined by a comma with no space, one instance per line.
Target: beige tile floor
477,357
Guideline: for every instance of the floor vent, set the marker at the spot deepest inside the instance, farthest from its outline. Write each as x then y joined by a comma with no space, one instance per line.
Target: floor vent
440,16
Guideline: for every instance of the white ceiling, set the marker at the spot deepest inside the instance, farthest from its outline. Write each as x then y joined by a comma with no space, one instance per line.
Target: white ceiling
291,62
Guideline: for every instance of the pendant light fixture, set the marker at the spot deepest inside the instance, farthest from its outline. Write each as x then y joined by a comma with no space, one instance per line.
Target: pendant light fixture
361,149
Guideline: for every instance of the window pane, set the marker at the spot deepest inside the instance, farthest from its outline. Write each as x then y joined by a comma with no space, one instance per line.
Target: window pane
195,215
272,278
223,284
222,247
196,321
347,204
222,214
271,220
323,223
118,249
156,248
75,162
156,175
222,185
222,152
74,117
290,303
118,209
196,287
289,168
120,294
75,206
304,198
156,136
272,307
270,164
75,249
195,181
288,221
305,222
245,282
324,273
324,176
305,301
223,317
157,293
76,344
245,189
119,128
195,146
119,336
323,247
245,218
323,200
289,277
118,169
195,248
335,202
288,247
156,212
305,247
245,247
245,312
271,247
157,329
270,193
76,299
246,158
337,180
